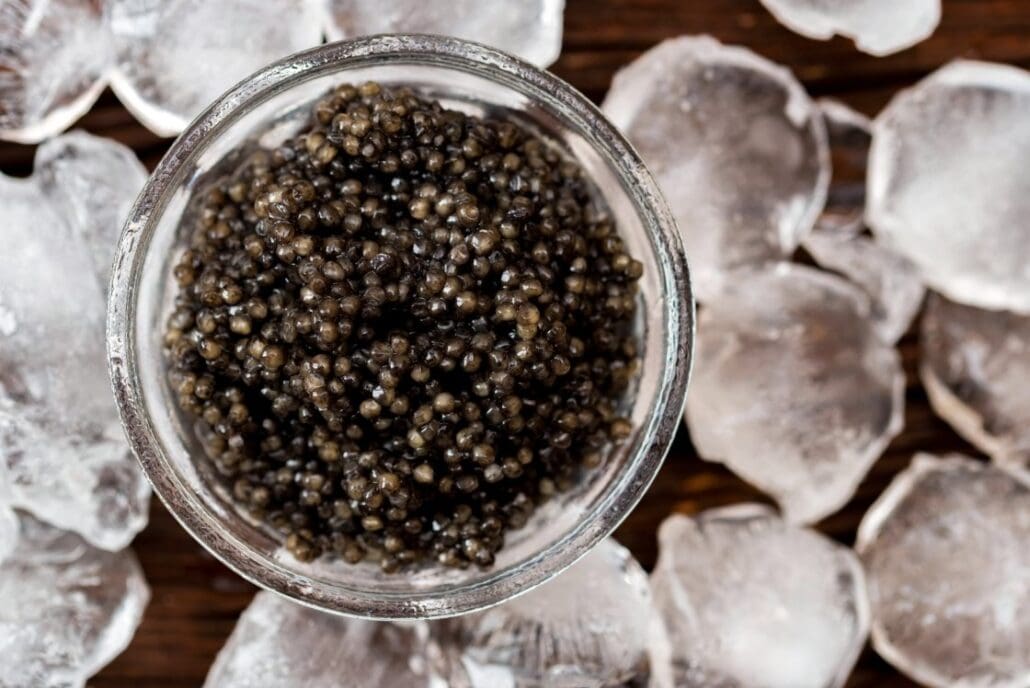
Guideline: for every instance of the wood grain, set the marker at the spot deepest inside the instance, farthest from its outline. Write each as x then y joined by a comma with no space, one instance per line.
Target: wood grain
196,600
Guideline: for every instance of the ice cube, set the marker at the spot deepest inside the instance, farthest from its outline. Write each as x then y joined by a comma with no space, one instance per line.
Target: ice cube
890,281
593,626
948,183
92,181
174,57
946,550
736,144
975,365
849,134
8,530
878,27
66,608
530,29
52,62
750,600
793,388
61,443
280,644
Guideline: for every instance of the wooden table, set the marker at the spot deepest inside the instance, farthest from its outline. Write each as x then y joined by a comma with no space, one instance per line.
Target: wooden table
196,600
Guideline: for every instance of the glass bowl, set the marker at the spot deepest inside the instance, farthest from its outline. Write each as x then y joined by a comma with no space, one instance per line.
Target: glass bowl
267,108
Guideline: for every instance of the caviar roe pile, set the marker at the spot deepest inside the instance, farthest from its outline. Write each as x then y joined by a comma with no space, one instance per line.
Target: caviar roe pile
402,330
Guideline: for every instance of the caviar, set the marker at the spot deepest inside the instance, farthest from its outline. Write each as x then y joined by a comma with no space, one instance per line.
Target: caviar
401,330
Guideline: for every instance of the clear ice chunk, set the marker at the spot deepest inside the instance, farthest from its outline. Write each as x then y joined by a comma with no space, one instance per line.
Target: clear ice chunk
174,57
62,452
793,389
946,550
975,365
593,626
93,182
878,27
280,644
66,608
750,600
891,282
530,29
52,64
849,134
8,530
948,183
736,144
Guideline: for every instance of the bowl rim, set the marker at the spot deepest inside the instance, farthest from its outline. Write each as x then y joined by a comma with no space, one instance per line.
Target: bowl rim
619,498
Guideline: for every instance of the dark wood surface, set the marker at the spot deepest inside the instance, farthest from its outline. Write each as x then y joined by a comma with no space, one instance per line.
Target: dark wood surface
196,600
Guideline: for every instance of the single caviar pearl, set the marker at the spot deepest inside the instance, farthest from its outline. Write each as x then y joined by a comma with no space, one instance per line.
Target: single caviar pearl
209,349
240,324
272,357
424,474
370,408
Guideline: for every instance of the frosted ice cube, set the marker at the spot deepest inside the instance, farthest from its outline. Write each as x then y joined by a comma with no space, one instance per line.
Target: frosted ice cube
8,531
174,57
61,443
531,29
280,644
750,600
52,62
66,608
593,626
92,181
948,183
849,134
975,365
793,388
946,550
890,281
878,27
736,144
